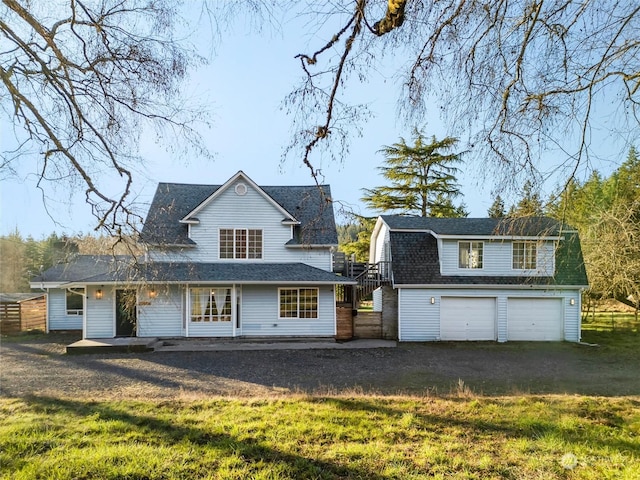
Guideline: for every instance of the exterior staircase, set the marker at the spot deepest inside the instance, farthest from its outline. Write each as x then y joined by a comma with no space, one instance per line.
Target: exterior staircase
368,275
372,277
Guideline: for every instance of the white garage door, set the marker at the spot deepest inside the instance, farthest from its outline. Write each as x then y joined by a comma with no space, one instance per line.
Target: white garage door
535,319
463,318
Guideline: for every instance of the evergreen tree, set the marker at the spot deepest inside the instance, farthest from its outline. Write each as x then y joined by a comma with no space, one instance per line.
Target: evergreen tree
360,246
422,178
497,208
529,205
606,212
12,264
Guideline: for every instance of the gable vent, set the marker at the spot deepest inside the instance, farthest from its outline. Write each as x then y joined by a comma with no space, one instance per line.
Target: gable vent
241,189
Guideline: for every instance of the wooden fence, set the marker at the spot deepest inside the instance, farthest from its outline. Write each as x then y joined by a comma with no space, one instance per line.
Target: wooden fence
20,316
367,325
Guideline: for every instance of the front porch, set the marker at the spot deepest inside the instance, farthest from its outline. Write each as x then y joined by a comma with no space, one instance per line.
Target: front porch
138,345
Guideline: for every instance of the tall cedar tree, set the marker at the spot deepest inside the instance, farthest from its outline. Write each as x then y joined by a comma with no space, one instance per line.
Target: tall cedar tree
422,179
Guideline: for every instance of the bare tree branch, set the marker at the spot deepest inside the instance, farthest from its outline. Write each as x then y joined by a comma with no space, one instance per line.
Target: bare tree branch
86,84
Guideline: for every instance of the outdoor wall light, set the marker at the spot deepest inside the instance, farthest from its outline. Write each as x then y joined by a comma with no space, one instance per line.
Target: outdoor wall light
572,301
433,300
153,293
99,294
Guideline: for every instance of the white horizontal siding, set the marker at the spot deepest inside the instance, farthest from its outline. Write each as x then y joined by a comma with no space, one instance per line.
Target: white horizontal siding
210,329
377,299
573,317
161,316
381,244
419,320
229,210
57,312
259,314
497,259
100,314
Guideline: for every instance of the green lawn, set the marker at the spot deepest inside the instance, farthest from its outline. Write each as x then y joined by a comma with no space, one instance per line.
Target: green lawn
460,435
322,437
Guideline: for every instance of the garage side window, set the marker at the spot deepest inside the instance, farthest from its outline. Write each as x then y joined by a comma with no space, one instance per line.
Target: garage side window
525,255
470,254
298,303
75,301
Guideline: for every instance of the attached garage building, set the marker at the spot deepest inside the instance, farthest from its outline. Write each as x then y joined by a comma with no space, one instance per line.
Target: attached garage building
535,319
468,318
483,279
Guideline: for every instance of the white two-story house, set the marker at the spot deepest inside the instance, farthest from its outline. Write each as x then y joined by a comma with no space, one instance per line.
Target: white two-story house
480,278
229,260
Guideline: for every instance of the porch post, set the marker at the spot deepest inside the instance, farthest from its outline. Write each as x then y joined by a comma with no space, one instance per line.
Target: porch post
187,311
234,310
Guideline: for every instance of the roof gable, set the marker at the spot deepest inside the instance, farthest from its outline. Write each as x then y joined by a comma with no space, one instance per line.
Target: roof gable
308,207
238,177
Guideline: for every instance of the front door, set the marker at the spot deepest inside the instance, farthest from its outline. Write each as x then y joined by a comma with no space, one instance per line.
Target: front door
126,306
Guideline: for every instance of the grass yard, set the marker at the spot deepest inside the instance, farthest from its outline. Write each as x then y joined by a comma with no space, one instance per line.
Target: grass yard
615,331
351,436
322,438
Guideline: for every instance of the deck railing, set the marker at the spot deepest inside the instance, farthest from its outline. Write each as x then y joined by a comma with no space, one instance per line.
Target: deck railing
374,276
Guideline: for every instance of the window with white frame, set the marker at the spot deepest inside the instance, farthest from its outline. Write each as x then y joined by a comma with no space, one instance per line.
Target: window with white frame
470,254
75,302
298,302
525,255
210,304
240,243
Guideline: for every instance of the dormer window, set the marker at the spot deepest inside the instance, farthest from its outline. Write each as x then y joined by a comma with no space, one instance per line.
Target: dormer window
240,243
525,255
470,254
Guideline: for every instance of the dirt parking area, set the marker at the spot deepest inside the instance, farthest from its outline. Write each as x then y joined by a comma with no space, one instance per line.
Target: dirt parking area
37,365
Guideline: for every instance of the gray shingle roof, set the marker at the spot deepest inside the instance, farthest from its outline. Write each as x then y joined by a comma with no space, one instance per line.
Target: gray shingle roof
415,261
82,266
247,273
173,201
123,269
524,226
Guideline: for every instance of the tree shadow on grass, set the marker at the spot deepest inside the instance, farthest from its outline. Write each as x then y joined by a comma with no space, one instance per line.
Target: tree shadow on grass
172,433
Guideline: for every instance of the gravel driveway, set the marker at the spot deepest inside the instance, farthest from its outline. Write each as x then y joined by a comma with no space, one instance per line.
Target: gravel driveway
38,365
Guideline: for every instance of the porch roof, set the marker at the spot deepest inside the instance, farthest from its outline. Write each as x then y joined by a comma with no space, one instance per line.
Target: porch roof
218,273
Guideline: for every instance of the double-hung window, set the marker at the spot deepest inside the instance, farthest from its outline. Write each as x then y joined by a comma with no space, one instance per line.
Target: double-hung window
75,302
470,254
298,303
210,304
240,243
525,255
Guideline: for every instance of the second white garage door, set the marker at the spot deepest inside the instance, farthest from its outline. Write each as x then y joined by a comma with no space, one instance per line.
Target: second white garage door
535,319
464,318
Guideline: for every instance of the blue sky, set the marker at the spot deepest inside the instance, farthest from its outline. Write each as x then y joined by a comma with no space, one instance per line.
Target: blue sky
244,86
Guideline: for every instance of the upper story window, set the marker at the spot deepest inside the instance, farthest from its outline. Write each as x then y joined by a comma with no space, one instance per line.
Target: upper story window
470,254
75,303
240,243
525,255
